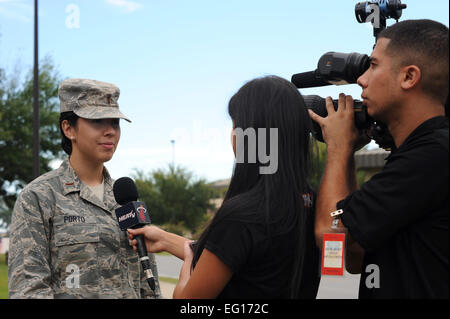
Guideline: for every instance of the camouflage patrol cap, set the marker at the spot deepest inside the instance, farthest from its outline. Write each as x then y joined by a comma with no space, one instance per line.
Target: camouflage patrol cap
90,99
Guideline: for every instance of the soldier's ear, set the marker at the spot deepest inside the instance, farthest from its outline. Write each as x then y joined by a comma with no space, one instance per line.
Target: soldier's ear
68,130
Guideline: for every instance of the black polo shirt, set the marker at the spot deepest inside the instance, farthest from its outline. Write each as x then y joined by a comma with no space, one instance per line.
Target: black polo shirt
400,217
261,262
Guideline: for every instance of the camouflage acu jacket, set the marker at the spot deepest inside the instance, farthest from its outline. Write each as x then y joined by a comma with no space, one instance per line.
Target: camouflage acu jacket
66,243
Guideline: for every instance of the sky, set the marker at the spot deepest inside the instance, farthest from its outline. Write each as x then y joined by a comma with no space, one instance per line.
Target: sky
177,63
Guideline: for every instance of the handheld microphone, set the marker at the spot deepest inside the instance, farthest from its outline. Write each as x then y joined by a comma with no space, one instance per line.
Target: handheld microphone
133,214
334,68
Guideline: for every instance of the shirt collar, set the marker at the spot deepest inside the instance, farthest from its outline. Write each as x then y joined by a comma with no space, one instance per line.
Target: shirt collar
426,127
72,183
70,180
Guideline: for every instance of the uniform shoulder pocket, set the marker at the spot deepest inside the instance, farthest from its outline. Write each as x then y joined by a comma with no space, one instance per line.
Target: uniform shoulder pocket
72,229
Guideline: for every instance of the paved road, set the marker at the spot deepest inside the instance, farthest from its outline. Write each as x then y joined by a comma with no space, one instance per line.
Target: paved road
168,266
331,287
339,287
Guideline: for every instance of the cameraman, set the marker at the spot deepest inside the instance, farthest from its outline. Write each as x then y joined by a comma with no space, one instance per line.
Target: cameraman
398,220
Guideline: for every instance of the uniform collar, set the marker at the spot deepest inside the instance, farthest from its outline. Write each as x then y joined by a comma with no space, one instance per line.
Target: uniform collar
72,183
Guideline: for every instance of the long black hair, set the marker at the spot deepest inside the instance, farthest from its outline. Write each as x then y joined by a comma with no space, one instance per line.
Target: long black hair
274,200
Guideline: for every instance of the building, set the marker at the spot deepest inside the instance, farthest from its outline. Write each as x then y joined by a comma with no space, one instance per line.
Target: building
371,161
221,186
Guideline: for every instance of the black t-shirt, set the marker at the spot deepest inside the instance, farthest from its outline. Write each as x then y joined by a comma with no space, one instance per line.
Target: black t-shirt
262,264
400,217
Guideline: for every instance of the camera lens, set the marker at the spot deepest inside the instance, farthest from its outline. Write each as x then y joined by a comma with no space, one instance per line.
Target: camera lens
342,68
356,65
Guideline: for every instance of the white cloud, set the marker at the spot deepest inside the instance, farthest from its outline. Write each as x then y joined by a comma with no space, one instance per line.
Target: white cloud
16,10
127,6
203,161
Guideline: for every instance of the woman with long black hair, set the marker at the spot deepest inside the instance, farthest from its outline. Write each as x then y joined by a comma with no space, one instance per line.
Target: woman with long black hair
260,243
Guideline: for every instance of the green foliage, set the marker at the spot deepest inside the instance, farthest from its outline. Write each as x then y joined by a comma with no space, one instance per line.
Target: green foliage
178,228
16,130
318,157
361,177
196,235
174,197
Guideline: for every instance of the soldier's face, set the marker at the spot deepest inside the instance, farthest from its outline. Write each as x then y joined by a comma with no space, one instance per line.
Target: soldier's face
96,140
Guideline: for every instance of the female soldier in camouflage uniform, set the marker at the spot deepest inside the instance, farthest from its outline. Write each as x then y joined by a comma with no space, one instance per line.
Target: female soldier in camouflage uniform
65,240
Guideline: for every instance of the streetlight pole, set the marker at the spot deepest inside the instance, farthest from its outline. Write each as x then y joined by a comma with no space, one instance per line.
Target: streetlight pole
36,146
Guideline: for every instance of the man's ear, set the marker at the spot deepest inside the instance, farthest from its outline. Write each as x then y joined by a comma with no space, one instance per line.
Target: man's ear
411,76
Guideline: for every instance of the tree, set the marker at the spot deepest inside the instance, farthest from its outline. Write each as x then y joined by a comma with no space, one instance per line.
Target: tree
174,197
317,166
318,157
16,115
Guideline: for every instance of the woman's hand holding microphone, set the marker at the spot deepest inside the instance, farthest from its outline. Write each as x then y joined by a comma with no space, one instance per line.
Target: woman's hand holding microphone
158,240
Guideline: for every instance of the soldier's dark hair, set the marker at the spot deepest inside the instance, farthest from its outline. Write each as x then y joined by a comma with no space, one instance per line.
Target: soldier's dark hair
423,43
72,118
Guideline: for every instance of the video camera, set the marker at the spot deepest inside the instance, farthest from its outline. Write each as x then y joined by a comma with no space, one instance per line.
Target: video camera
336,68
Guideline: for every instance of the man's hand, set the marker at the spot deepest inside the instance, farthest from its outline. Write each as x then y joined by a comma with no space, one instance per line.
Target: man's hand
338,128
339,179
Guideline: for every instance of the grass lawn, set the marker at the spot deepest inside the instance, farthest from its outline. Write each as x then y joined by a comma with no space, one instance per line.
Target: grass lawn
168,280
164,253
3,278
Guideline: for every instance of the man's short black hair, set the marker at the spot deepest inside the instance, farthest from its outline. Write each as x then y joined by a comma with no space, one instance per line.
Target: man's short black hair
423,43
